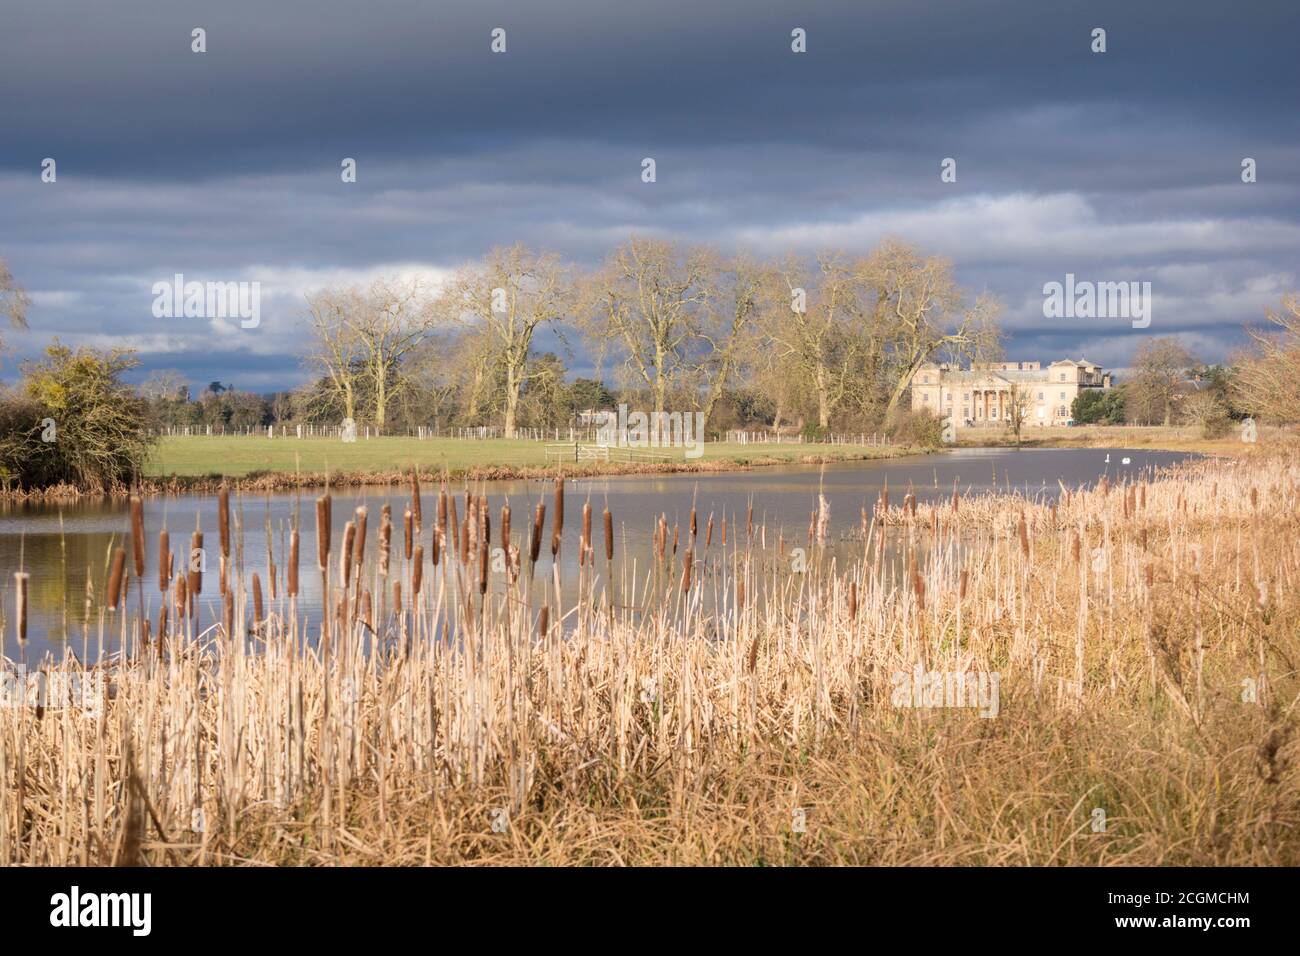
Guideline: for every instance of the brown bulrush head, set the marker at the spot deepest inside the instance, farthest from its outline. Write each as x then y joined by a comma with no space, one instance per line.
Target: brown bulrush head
1075,547
740,592
162,626
544,621
1142,498
695,528
408,542
1052,511
853,600
397,597
677,530
137,535
535,537
435,547
485,522
228,613
505,528
584,548
345,558
708,531
416,511
293,563
359,542
417,570
1254,497
323,516
453,540
723,542
918,588
365,610
1142,539
442,516
688,561
961,586
223,519
471,529
1022,530
956,498
20,604
749,520
164,560
258,614
484,553
1104,486
609,535
559,506
115,578
181,593
385,542
464,534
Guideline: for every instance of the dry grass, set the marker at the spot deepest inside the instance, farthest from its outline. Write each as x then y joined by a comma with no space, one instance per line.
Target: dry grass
684,716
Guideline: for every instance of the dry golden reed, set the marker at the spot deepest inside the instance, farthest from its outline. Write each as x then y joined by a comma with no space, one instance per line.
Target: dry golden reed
678,723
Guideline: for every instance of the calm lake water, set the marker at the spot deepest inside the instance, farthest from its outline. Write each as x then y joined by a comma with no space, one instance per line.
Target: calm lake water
63,546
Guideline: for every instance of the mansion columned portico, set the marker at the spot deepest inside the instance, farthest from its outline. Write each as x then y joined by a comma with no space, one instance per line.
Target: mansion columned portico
985,394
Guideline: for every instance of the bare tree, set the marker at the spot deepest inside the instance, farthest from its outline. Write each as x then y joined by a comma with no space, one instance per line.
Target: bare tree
396,318
647,303
1267,382
1018,407
918,311
13,300
809,321
359,339
726,335
1159,372
512,294
334,349
165,383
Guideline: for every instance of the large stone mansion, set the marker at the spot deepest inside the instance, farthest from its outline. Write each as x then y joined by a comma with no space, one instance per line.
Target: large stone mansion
983,394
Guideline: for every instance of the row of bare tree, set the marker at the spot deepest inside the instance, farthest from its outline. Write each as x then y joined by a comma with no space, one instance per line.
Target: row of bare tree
680,324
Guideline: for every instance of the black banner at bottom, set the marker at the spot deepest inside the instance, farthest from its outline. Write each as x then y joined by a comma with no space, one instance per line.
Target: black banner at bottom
231,905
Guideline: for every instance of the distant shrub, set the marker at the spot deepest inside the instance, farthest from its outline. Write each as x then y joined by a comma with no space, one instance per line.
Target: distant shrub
915,428
73,421
813,432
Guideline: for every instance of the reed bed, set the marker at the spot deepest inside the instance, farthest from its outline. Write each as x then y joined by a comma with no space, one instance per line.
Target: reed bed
716,699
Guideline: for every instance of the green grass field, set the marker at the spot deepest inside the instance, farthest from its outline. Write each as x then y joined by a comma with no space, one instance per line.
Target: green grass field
238,456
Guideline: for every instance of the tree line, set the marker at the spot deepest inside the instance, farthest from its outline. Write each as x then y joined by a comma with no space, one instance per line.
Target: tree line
829,342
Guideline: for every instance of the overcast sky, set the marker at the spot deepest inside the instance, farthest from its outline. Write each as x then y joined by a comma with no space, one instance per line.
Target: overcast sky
224,165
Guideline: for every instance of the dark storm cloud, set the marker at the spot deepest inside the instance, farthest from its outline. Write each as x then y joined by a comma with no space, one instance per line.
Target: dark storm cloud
225,165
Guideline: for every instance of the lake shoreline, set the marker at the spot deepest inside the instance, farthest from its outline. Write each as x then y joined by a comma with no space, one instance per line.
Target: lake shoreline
314,478
273,481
